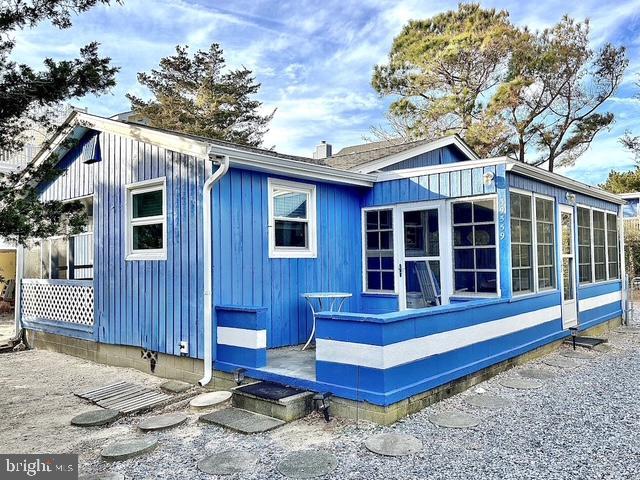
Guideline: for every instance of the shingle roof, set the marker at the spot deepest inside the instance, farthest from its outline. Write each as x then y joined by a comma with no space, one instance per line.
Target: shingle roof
355,155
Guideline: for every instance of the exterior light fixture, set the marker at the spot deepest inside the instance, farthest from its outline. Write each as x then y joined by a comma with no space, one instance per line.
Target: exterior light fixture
238,375
571,198
488,177
574,334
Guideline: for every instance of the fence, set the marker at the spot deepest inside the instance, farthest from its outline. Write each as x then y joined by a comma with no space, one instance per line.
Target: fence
68,301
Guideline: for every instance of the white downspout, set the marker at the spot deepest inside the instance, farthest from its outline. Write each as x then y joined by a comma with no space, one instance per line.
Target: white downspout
206,244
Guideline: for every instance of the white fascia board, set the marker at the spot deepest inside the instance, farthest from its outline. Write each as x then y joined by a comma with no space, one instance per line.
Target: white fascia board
562,181
449,167
424,148
238,157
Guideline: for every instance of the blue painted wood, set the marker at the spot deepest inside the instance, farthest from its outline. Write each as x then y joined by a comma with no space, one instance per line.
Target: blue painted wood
440,156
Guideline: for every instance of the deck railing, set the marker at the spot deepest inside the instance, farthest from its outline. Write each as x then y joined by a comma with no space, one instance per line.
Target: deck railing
69,301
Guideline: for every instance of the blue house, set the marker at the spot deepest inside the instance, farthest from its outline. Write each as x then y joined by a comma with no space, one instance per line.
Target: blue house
202,249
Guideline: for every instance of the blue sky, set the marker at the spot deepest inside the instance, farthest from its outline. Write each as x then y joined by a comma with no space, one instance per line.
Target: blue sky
314,59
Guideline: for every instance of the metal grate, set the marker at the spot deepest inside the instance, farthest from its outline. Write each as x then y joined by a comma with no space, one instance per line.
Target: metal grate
125,397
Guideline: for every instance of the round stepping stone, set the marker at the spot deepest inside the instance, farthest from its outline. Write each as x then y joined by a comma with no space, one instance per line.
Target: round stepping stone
521,383
210,399
577,354
625,329
162,422
454,420
307,464
393,444
560,362
537,374
129,448
102,476
492,402
229,462
176,386
95,418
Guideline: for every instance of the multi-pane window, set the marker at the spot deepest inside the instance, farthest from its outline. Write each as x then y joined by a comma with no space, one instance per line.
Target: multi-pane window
474,247
379,263
599,246
146,221
521,243
584,245
291,219
612,246
545,234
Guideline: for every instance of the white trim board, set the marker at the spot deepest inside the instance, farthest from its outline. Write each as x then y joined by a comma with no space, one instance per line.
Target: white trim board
242,337
407,351
599,301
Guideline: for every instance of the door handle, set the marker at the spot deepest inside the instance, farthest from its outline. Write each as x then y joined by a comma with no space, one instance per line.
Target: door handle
400,268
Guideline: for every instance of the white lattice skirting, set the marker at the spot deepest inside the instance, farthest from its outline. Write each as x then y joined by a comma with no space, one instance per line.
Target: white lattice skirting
68,301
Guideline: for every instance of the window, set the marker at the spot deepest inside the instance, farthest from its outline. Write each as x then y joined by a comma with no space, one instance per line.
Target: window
521,243
599,246
146,220
378,240
612,246
584,245
292,213
474,247
545,235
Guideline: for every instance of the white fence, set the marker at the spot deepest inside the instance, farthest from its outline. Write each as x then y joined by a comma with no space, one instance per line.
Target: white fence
68,301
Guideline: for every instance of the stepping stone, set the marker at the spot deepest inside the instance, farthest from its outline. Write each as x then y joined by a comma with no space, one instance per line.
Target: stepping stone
175,386
492,402
521,383
603,348
625,329
560,362
537,374
229,462
577,354
307,464
102,476
95,418
206,400
454,420
242,421
129,448
162,422
393,444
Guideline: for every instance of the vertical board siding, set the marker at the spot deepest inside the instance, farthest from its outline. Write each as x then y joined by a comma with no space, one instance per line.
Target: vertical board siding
440,156
244,273
436,186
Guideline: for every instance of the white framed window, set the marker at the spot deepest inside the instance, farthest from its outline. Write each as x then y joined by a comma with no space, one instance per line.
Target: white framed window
378,261
146,222
292,219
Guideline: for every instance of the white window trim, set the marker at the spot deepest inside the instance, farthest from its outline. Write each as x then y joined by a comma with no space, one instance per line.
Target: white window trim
137,188
311,250
498,292
534,245
363,224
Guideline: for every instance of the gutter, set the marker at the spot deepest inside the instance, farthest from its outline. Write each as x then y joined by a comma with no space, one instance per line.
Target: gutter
207,260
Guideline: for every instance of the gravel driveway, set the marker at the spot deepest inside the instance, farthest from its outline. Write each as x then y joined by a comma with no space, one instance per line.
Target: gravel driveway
582,424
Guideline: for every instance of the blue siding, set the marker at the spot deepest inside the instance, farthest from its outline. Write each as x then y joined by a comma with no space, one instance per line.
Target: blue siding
440,156
245,275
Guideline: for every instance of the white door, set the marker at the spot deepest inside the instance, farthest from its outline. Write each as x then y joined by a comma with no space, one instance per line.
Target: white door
419,244
568,268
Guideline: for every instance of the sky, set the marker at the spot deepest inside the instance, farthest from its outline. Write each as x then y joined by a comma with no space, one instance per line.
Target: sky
315,59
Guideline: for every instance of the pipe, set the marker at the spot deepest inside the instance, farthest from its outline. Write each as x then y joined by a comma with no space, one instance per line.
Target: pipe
206,242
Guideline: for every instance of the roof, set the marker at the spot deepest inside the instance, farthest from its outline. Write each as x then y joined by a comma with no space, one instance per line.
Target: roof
368,154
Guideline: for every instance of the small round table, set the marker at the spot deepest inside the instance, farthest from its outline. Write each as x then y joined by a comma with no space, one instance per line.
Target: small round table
323,302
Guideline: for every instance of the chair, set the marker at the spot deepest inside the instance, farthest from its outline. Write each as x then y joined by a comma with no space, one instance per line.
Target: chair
9,290
428,284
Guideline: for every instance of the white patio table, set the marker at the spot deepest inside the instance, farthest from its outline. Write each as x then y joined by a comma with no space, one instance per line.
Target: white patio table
323,302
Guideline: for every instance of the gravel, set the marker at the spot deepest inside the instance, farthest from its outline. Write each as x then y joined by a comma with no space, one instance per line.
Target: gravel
582,424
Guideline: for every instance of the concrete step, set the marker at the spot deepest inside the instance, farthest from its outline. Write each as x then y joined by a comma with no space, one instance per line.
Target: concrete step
586,342
242,421
254,397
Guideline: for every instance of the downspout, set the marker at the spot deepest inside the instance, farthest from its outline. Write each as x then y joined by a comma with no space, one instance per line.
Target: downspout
223,167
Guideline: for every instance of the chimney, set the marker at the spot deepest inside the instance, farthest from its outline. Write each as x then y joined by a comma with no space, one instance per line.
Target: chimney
322,151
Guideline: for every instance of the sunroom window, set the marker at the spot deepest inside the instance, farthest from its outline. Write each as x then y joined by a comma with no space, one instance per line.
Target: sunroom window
612,246
521,243
146,220
474,247
292,230
599,246
584,245
379,272
545,235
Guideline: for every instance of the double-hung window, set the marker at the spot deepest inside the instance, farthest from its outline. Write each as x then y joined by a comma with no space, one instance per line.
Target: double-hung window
612,246
599,246
292,219
378,240
474,247
147,220
545,244
585,272
521,243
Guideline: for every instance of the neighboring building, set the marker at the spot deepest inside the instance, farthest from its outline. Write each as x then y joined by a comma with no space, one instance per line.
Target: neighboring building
454,263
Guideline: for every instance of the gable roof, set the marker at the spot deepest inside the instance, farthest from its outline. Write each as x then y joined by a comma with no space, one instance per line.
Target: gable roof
368,157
